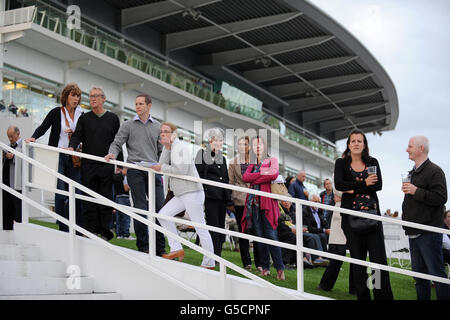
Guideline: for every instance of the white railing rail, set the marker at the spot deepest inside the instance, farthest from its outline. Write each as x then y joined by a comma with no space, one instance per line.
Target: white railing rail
223,263
17,16
127,210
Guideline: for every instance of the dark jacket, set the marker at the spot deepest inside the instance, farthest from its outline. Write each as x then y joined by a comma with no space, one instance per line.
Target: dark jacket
344,181
310,221
296,189
213,166
53,119
426,206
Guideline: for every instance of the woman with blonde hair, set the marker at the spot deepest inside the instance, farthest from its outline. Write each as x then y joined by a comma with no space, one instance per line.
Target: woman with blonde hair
188,196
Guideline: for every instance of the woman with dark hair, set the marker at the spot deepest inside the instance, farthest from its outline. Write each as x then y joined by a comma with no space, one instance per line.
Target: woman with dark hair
289,180
351,176
238,166
63,121
261,213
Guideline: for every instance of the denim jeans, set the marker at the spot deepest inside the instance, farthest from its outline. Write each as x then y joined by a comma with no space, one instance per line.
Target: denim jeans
138,182
122,219
262,228
426,257
66,168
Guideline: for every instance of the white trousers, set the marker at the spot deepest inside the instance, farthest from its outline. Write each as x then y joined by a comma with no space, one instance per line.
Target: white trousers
192,202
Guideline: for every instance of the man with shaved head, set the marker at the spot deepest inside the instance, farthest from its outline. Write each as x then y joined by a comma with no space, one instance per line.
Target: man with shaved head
297,188
425,197
12,177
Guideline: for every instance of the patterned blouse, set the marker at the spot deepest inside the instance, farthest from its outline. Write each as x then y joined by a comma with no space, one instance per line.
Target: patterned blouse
362,202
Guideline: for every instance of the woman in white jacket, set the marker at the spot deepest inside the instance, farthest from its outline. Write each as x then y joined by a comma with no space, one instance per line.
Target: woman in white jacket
189,196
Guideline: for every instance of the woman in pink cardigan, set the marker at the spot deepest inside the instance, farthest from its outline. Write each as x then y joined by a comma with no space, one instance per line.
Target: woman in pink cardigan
261,213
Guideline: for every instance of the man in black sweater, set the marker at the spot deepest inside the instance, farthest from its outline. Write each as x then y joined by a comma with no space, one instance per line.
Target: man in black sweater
96,130
425,197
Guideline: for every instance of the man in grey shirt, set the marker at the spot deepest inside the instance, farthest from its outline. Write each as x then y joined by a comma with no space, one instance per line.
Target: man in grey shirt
141,137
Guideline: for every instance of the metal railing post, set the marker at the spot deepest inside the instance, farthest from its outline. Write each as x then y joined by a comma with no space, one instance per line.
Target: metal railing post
299,234
72,222
25,179
151,208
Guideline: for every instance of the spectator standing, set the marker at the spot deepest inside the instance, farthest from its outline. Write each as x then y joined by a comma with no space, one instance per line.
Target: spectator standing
337,244
289,181
141,138
297,189
96,130
359,193
327,197
121,196
188,196
261,214
238,166
12,177
211,165
63,120
425,197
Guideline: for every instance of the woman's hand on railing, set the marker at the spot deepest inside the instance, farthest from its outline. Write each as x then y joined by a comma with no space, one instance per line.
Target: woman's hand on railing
28,140
156,167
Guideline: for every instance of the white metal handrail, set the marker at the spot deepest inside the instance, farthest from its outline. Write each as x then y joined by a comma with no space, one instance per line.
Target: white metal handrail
127,210
17,16
299,248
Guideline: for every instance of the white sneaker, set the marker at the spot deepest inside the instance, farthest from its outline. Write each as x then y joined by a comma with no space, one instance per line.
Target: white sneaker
129,238
119,237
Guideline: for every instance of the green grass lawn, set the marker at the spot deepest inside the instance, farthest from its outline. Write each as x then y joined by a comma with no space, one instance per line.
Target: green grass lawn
402,286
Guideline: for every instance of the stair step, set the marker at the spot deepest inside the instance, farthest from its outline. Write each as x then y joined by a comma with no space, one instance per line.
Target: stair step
19,252
45,285
87,296
9,268
6,236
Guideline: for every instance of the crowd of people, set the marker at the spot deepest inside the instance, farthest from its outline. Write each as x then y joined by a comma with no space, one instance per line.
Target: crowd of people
13,109
356,181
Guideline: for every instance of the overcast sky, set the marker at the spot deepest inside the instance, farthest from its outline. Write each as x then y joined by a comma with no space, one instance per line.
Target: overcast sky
411,40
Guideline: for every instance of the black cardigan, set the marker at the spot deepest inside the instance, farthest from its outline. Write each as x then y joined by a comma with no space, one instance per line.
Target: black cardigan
53,119
344,181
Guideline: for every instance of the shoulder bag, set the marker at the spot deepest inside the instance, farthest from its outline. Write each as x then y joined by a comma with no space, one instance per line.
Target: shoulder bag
76,161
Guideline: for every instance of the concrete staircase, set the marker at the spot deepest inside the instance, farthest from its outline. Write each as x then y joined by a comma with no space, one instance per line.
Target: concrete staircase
23,275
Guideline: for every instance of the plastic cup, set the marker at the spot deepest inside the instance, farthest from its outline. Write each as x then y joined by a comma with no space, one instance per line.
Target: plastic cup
372,170
406,178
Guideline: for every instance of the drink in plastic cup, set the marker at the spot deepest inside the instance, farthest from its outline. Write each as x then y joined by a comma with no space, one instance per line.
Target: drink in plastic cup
406,178
372,170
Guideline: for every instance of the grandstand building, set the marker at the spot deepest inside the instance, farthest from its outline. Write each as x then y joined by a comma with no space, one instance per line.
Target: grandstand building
282,65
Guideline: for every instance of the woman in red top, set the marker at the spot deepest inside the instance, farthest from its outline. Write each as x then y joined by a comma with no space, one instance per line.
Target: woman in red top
261,213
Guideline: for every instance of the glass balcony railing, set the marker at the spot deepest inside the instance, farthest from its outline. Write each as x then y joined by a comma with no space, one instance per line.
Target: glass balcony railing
119,49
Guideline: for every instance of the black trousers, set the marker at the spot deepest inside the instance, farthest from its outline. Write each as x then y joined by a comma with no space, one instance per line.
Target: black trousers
97,217
359,245
215,216
244,244
12,210
331,273
446,254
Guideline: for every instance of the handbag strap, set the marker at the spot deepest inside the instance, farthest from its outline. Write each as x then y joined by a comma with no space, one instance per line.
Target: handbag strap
67,121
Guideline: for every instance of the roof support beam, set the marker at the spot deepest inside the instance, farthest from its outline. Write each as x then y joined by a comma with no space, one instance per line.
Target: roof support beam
312,117
304,104
241,55
153,11
188,38
290,89
266,74
336,125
